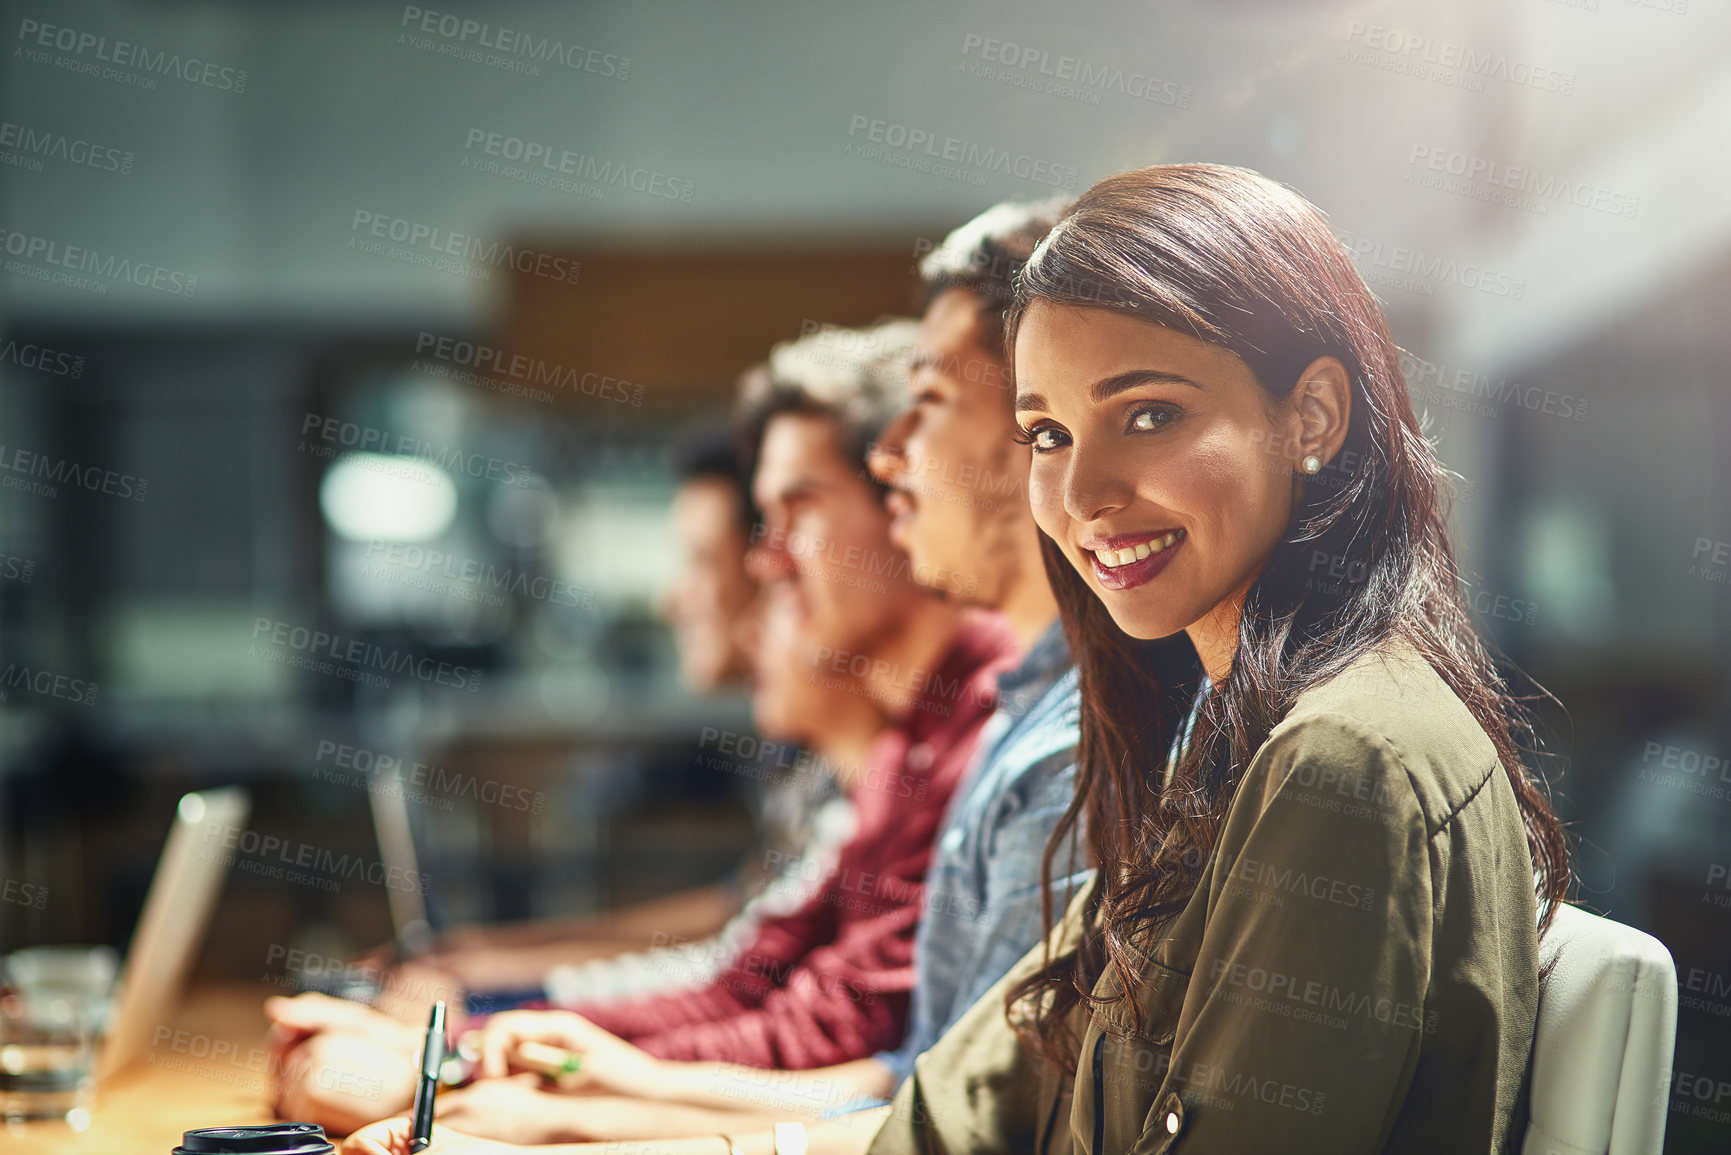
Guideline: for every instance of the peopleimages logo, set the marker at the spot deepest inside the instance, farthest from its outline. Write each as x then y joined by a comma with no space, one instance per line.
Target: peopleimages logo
56,262
540,163
1073,78
1420,272
422,782
1425,378
464,39
1283,992
46,684
1448,62
23,893
34,145
275,857
39,39
28,355
1711,560
471,579
490,360
353,658
52,472
1518,186
323,435
466,249
917,147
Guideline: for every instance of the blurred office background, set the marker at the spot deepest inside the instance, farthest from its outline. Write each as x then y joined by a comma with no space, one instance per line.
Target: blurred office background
254,252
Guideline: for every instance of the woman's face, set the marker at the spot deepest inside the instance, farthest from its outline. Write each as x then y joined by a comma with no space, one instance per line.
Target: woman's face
1160,467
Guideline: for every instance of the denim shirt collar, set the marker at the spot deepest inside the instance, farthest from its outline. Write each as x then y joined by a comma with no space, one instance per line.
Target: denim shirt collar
1020,687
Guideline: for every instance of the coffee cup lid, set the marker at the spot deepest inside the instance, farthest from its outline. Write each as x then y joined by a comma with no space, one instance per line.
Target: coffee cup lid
268,1139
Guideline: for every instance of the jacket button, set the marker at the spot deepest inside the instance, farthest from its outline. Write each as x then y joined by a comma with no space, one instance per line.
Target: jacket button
1173,1116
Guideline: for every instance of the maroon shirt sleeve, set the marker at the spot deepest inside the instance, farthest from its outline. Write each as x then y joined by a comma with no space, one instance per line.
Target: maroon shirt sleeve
831,982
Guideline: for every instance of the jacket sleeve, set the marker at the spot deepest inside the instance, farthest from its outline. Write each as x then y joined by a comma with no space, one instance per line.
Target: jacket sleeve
977,1090
1304,1018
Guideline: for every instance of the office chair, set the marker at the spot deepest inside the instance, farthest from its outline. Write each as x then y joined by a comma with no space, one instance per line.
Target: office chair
1607,1024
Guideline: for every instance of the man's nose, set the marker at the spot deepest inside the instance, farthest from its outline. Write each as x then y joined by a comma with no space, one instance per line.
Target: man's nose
765,563
888,455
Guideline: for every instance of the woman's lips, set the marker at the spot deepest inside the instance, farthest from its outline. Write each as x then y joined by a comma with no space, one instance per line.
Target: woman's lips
1141,570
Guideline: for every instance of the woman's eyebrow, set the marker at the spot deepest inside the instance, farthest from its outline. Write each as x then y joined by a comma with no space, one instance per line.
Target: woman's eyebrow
1109,387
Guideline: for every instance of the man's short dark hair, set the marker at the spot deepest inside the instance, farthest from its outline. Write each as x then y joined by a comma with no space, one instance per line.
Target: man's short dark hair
710,454
985,255
855,378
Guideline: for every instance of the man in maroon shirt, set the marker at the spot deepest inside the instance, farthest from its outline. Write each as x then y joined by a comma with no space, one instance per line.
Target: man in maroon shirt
819,986
831,981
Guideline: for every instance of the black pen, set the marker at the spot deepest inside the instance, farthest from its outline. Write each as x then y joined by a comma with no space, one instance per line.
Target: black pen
432,1058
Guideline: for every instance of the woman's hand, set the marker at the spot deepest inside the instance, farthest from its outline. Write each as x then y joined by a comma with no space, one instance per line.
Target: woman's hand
609,1063
391,1137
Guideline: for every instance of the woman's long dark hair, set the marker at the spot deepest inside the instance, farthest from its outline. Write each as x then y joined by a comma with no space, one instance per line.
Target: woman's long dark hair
1239,261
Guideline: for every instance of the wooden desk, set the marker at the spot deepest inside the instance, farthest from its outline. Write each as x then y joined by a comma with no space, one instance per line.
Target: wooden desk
213,1071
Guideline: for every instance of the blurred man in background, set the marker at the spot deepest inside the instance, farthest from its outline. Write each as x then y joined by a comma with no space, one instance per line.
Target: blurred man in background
708,606
712,519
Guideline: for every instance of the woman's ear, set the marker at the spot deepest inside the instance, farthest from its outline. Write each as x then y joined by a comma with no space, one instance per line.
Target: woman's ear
1320,408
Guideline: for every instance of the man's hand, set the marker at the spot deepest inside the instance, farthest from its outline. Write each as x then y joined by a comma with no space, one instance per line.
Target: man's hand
609,1063
391,1137
297,1019
514,1110
343,1080
410,989
492,968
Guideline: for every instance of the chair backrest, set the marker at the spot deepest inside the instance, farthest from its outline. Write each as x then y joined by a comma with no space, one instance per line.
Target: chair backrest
1607,1025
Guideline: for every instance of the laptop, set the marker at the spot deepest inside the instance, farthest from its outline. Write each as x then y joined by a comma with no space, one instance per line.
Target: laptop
171,928
414,933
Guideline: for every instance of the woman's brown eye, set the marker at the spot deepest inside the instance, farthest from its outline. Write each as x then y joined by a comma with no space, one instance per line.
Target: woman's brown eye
1150,419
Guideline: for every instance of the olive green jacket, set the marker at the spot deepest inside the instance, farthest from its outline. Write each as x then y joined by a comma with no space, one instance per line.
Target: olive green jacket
1356,971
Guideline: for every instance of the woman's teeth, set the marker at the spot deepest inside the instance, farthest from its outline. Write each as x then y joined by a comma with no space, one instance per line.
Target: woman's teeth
1113,558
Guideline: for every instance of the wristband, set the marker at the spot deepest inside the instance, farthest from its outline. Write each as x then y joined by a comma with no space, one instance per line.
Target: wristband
790,1139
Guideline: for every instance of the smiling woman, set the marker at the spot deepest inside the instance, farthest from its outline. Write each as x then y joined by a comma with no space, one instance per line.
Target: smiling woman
1323,861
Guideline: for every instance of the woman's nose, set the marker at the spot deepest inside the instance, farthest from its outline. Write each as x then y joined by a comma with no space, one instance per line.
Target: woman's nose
1091,488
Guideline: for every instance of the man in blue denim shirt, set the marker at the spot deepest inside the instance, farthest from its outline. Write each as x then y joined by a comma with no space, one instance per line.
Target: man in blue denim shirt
959,496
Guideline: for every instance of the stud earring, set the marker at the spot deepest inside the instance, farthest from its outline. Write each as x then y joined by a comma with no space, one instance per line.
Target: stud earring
1311,464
